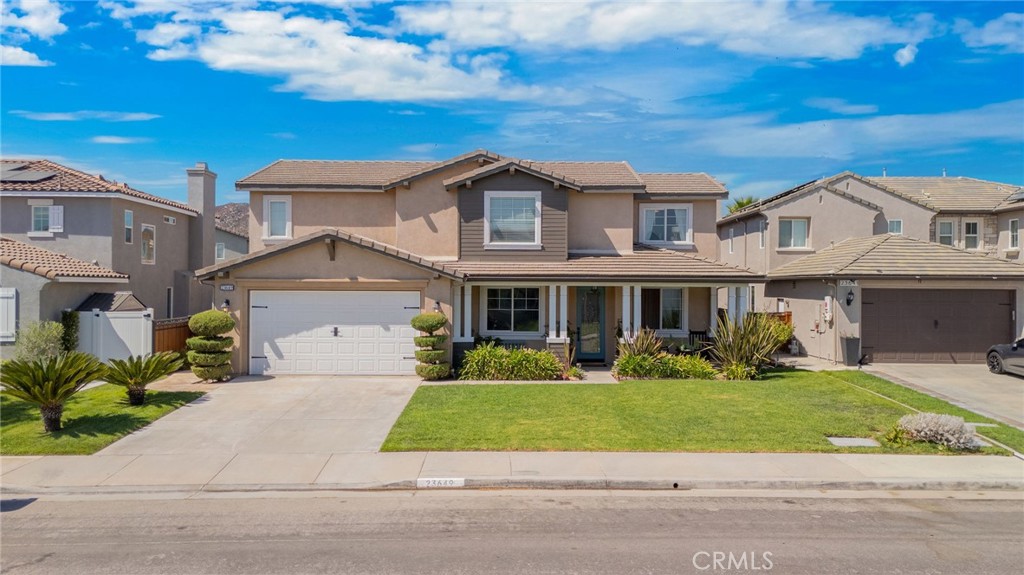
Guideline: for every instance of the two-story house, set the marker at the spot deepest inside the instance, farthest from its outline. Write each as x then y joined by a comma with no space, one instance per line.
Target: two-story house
887,269
344,253
68,234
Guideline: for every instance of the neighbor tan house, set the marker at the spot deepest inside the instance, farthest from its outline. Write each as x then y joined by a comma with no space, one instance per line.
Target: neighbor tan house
887,269
343,254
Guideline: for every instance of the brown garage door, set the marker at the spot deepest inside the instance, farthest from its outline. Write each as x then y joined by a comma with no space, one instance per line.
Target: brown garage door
934,325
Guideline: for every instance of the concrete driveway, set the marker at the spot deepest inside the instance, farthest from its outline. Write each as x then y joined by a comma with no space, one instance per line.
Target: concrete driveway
1000,397
280,415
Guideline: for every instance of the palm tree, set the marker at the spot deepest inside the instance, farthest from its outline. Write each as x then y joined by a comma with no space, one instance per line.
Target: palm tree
741,202
135,373
49,382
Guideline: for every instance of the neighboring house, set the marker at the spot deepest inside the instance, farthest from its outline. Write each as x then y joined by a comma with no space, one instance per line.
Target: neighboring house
945,296
344,253
232,231
151,244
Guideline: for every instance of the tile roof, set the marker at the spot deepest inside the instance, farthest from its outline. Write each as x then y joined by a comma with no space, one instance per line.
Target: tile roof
50,265
893,256
510,163
682,183
382,175
56,178
117,301
350,238
644,264
233,218
950,194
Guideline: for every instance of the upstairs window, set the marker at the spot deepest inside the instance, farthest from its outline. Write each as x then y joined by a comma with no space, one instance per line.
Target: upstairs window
732,239
512,220
148,244
129,226
972,237
46,218
277,216
793,233
219,250
760,226
666,223
1014,234
944,231
896,227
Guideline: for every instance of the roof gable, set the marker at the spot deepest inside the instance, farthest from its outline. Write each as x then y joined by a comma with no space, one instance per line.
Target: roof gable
949,194
511,165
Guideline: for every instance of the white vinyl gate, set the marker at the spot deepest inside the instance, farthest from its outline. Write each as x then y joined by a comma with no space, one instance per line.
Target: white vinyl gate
115,334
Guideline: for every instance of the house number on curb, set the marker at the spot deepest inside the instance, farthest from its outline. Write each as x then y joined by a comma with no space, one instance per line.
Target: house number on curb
440,482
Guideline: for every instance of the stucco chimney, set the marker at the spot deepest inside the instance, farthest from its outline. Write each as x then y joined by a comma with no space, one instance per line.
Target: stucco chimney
202,197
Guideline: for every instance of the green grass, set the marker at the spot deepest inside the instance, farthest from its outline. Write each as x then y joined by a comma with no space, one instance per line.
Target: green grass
788,411
1008,435
93,419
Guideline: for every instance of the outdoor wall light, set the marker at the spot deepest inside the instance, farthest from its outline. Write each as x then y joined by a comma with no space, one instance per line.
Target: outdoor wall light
226,305
437,306
849,298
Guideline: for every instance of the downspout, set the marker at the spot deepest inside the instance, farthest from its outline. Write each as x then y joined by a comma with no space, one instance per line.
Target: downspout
836,308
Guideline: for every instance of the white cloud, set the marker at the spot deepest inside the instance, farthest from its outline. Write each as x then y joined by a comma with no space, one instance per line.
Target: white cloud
118,140
1005,33
80,115
840,106
905,55
283,135
15,56
424,150
773,29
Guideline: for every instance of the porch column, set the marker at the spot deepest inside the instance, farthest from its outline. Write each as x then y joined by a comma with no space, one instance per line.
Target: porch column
457,313
563,311
552,325
713,321
625,312
636,310
467,312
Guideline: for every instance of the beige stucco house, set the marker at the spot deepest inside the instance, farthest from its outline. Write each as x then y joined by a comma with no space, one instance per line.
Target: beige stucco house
887,269
344,253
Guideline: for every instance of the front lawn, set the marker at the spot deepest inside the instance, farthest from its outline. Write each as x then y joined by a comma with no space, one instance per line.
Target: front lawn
787,411
93,419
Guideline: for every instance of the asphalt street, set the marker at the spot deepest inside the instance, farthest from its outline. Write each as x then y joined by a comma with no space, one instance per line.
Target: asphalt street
511,532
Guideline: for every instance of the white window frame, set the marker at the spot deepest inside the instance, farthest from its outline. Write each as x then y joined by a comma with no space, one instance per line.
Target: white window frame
33,232
8,314
1014,234
647,210
761,228
54,218
537,207
142,244
129,227
807,238
896,221
684,313
963,230
267,200
218,251
170,220
952,232
732,239
541,311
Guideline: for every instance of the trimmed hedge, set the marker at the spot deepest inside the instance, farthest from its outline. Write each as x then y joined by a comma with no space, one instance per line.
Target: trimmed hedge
433,371
662,366
494,362
212,373
211,322
209,343
209,358
429,340
431,355
428,323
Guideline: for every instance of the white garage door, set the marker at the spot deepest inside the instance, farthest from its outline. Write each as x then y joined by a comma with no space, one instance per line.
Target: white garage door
332,332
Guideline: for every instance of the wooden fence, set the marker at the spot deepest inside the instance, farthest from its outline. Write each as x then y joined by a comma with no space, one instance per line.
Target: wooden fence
170,334
785,316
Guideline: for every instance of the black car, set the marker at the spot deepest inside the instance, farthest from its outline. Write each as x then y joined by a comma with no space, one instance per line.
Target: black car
1007,358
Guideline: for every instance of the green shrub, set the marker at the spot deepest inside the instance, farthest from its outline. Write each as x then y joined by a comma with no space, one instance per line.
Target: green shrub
135,373
638,366
433,371
783,332
575,372
429,340
209,358
430,322
645,342
209,343
69,340
49,382
213,373
39,340
749,342
211,322
493,362
687,367
739,371
431,355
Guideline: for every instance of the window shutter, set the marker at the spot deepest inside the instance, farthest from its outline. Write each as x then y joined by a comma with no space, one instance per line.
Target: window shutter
56,218
8,313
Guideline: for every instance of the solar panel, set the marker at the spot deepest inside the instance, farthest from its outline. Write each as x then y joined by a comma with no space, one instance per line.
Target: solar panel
27,176
1016,197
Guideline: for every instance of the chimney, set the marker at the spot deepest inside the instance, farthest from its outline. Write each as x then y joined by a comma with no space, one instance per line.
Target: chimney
943,172
883,171
202,197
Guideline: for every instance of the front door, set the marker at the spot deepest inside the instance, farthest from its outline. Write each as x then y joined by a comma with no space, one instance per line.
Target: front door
590,320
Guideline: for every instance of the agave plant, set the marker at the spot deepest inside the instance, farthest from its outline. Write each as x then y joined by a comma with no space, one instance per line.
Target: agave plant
744,347
645,342
135,373
49,382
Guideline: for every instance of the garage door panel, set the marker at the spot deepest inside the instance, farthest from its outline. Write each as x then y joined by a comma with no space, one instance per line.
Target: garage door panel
935,325
332,332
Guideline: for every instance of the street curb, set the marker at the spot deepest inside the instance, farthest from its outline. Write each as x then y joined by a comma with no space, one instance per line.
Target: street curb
553,484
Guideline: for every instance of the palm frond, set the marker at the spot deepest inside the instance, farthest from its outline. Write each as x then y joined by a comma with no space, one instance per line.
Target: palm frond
50,381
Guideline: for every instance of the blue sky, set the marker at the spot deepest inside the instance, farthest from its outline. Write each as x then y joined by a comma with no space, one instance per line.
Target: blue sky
761,95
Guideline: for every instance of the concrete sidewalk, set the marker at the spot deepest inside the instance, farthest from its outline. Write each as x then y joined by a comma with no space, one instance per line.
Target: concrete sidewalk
368,470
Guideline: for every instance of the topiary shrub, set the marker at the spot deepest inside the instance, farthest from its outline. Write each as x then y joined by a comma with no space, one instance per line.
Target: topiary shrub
206,356
432,365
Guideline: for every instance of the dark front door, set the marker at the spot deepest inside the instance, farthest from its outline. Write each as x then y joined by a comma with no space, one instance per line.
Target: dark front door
590,323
